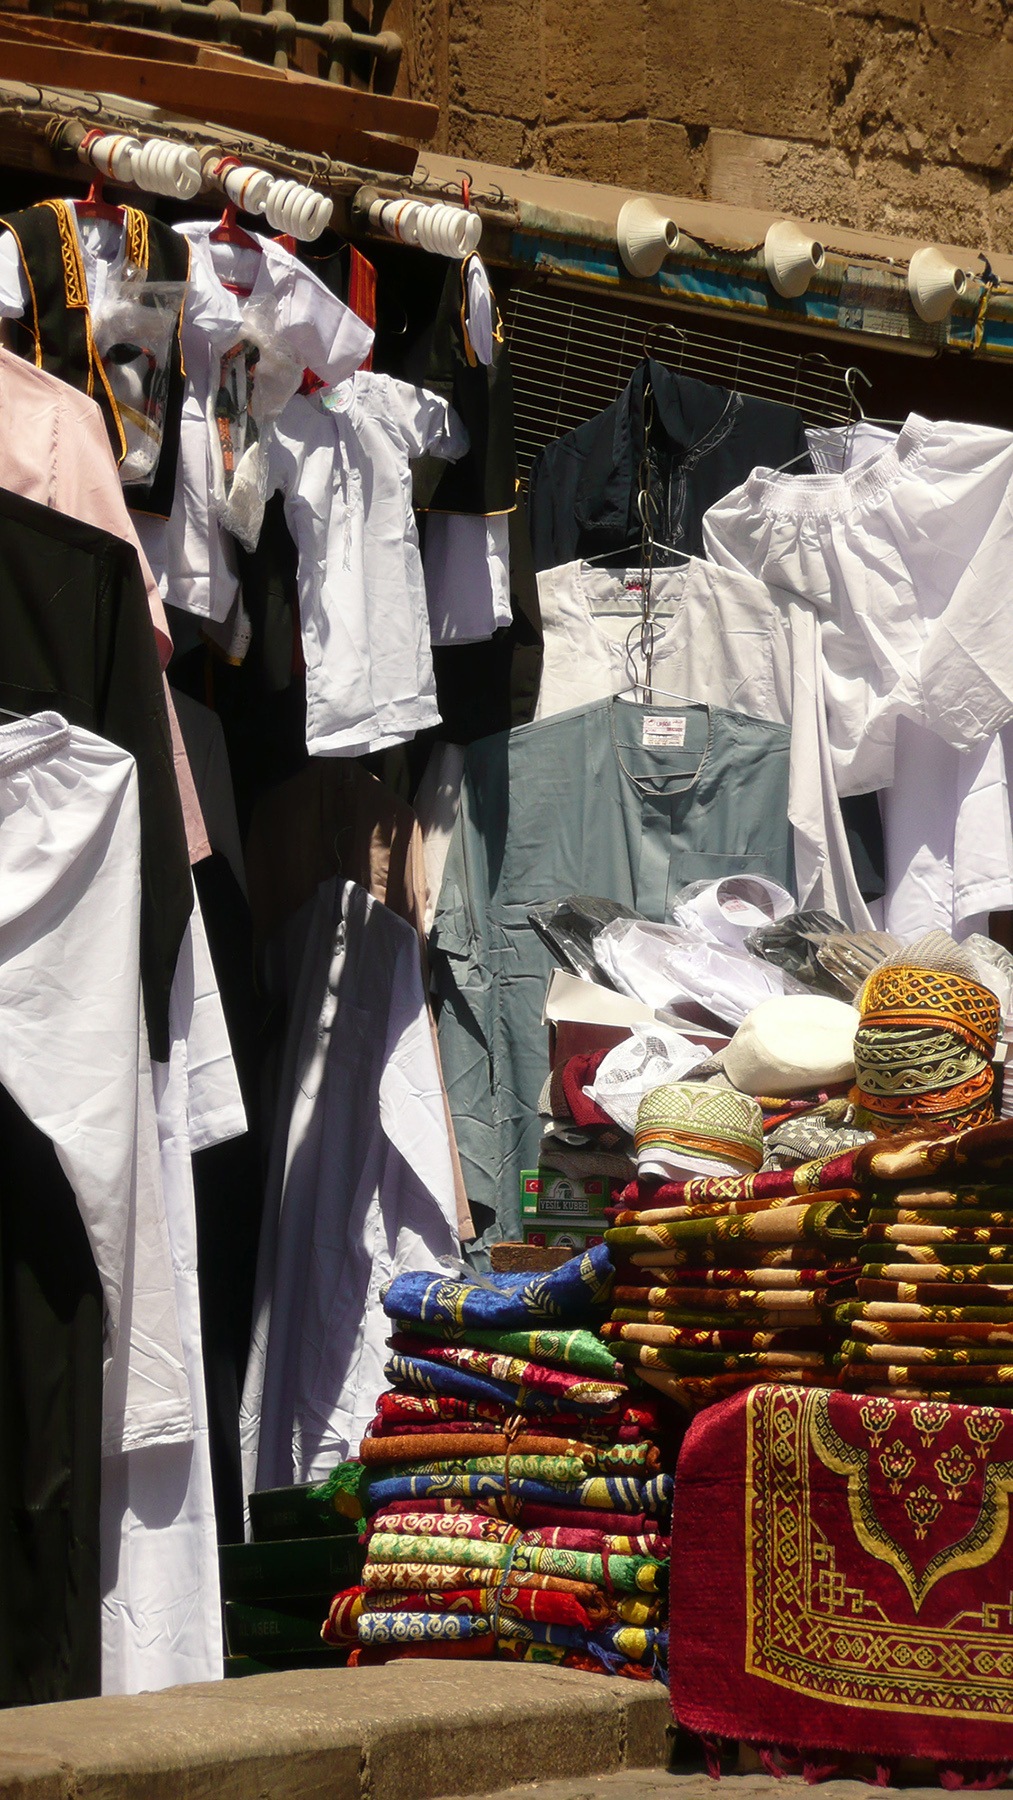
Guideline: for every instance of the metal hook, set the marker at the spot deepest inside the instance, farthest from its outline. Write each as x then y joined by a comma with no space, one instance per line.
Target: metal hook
655,328
849,381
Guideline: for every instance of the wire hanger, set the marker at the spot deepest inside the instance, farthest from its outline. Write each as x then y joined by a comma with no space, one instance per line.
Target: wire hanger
644,508
621,551
643,693
851,375
654,331
95,206
864,418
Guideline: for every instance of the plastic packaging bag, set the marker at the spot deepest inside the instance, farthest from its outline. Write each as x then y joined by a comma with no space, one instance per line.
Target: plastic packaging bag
135,326
651,1056
726,911
257,378
675,971
792,945
568,928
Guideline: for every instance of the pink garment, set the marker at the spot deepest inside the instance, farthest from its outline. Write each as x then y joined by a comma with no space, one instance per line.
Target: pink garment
54,450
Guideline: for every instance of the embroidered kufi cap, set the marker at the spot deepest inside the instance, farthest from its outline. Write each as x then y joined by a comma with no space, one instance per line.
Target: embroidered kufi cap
911,993
687,1128
928,1034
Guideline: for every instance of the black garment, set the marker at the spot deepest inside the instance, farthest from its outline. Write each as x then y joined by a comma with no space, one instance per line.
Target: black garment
51,1317
330,259
76,636
56,331
705,440
484,479
229,1194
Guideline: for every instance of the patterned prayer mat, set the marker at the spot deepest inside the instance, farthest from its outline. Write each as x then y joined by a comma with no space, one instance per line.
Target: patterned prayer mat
842,1576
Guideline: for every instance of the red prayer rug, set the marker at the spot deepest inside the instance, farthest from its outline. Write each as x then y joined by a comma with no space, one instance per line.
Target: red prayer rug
842,1576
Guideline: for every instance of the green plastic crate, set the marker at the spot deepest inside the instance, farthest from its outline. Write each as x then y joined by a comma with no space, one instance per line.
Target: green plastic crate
294,1567
293,1512
278,1627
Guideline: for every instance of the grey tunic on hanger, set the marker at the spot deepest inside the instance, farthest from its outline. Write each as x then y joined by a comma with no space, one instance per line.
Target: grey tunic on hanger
578,803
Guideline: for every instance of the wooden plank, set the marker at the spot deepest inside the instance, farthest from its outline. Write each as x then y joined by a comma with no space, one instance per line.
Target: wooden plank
301,112
123,40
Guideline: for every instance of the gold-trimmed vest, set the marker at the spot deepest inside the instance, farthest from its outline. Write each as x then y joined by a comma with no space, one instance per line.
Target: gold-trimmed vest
55,331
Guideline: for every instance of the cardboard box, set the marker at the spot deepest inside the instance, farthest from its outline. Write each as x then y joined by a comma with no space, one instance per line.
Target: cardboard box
547,1193
555,1234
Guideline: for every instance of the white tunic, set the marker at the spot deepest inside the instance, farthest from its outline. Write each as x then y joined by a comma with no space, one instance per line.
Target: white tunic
161,1604
360,1185
344,470
73,1047
193,556
723,637
907,558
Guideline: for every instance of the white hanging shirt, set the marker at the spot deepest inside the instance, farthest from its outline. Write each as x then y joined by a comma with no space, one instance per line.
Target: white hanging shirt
721,637
907,558
194,562
360,1186
343,468
161,1604
310,329
467,568
73,1046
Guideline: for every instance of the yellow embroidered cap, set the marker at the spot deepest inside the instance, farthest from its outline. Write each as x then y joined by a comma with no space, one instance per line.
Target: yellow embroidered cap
899,995
686,1127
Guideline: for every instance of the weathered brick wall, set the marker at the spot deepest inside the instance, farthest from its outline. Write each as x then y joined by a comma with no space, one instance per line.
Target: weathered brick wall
894,115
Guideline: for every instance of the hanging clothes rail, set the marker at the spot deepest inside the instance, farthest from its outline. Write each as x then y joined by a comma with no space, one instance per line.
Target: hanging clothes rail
566,232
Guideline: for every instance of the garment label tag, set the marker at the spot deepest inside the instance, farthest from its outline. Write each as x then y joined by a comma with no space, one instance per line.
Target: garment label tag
664,732
633,584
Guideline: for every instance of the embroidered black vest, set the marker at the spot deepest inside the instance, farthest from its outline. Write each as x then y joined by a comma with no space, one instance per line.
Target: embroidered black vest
484,480
55,331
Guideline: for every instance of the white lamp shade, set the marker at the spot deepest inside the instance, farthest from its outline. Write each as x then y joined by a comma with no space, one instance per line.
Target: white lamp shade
934,284
645,235
792,256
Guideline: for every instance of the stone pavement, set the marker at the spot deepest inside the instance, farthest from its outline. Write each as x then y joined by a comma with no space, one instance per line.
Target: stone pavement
656,1784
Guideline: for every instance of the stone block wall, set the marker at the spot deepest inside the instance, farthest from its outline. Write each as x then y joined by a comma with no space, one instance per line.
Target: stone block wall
889,115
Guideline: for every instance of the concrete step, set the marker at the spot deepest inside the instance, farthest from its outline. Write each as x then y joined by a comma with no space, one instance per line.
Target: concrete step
413,1730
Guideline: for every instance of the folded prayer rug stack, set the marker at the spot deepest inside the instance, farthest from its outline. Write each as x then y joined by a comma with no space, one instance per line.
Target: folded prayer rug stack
516,1502
725,1281
933,1317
